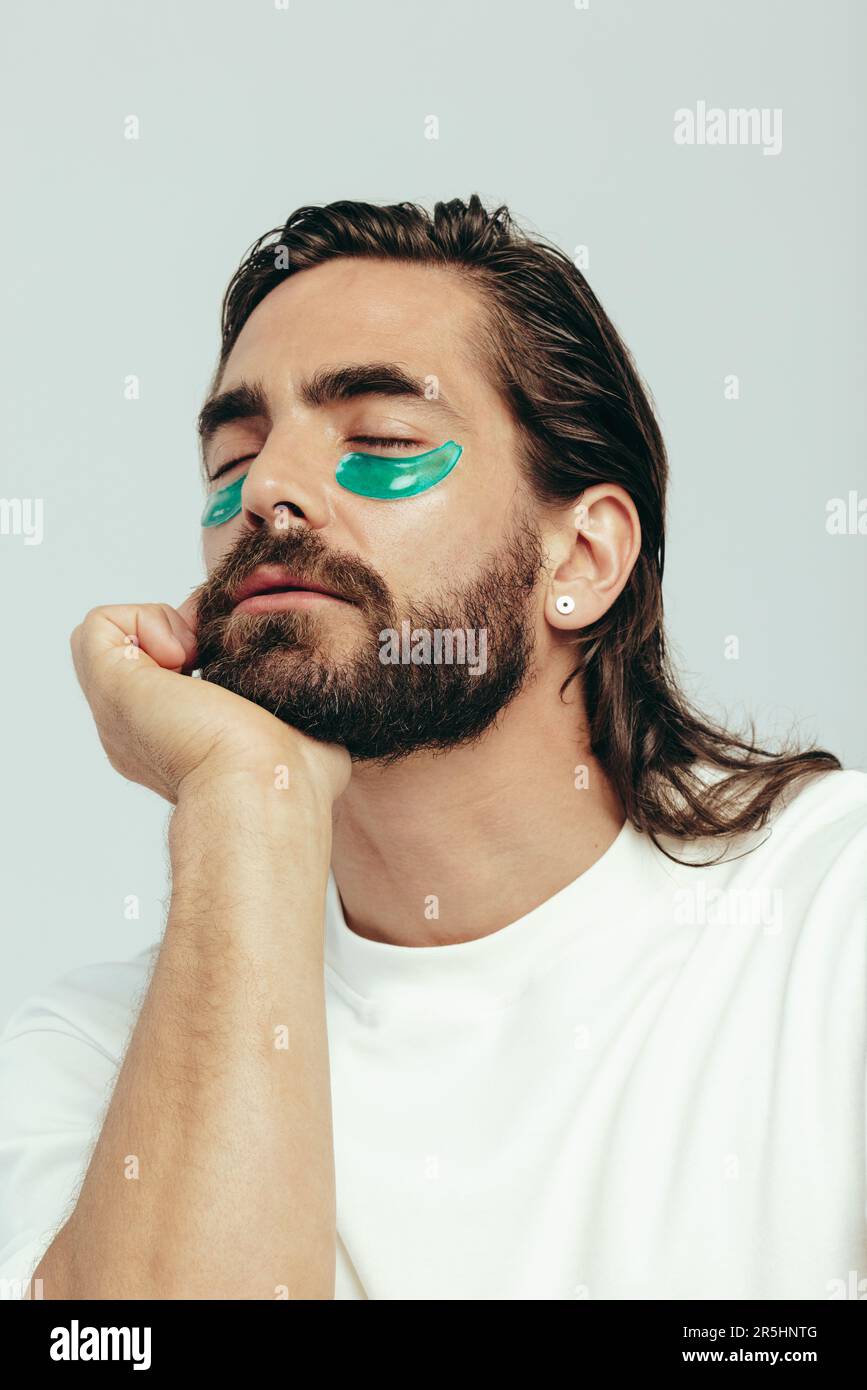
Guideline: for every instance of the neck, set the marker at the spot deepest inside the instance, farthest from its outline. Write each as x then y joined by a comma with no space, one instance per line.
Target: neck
447,847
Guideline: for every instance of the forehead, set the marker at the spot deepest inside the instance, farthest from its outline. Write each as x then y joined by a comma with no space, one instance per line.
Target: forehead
357,310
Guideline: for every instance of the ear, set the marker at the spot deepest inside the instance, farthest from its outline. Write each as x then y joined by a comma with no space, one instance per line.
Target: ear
594,549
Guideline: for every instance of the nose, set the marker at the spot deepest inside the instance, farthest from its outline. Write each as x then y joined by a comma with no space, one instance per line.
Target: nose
286,485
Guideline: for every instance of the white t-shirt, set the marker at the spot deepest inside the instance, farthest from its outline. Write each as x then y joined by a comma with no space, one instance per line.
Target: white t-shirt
651,1086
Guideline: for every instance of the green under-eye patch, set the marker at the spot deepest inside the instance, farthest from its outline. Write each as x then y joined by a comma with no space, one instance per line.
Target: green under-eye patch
367,475
223,504
389,479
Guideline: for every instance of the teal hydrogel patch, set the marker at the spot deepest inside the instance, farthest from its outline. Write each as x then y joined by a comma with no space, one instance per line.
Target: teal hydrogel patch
367,475
389,479
223,504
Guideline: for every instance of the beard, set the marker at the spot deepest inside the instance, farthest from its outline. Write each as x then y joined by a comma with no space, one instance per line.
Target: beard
333,685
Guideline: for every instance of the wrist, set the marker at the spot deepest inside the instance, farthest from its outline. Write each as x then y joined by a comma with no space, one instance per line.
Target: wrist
268,779
252,810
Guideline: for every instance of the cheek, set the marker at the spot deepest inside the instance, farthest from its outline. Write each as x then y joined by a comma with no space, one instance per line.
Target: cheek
421,545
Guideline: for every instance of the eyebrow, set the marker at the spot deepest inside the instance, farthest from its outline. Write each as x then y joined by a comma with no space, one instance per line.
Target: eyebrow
327,385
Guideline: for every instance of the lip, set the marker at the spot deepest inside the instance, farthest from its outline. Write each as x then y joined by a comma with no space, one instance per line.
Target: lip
280,599
271,587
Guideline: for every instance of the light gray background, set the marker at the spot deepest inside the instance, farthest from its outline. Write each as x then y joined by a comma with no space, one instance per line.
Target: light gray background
710,260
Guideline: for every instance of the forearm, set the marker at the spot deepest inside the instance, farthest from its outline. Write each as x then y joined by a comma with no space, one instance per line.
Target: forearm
213,1176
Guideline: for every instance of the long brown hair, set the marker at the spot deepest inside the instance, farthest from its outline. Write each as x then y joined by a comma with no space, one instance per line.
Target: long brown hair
585,417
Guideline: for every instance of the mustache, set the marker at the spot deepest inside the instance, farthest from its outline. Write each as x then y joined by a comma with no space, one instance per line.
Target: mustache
301,551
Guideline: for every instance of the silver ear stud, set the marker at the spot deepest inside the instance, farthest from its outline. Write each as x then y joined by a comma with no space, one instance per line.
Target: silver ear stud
564,604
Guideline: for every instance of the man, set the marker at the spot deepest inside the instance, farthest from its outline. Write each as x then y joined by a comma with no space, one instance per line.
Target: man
491,970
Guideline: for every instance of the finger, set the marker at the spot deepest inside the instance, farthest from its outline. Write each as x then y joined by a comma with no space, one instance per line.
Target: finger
128,627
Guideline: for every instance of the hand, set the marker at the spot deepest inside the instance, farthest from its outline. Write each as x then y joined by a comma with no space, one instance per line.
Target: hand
164,729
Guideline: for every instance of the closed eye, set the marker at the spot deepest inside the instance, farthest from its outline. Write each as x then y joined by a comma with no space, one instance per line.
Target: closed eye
380,442
374,441
225,467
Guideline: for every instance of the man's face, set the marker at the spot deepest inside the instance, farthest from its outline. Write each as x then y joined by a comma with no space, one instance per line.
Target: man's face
462,557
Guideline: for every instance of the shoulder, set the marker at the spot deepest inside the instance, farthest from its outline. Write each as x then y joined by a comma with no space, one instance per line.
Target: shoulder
822,823
806,869
814,821
60,1052
813,853
95,1002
